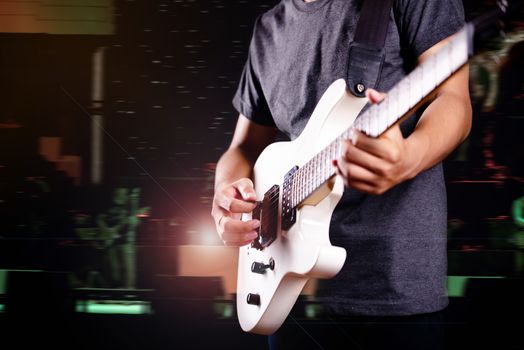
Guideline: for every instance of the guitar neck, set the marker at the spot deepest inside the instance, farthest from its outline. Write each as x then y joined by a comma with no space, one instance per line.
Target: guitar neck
399,103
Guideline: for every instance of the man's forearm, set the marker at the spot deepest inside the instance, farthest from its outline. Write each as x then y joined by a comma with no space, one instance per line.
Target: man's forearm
233,165
443,126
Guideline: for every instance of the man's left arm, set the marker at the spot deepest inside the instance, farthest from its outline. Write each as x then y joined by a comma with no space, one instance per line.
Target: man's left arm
376,165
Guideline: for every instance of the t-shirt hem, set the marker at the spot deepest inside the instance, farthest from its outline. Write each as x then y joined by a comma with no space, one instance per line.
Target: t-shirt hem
388,309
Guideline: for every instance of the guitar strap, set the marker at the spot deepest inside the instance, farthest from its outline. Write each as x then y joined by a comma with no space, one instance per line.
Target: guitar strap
366,53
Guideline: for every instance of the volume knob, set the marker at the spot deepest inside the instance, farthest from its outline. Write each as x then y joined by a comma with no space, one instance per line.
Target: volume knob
258,267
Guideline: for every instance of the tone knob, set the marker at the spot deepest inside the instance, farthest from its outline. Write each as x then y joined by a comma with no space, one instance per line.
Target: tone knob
253,299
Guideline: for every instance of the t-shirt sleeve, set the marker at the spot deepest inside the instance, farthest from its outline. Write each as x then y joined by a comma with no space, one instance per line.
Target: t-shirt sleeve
423,23
249,98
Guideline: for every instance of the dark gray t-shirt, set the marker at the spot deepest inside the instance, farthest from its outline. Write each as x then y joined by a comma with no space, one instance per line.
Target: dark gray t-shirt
396,242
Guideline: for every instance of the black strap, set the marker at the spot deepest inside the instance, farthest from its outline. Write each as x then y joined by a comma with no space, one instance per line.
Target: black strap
366,53
373,23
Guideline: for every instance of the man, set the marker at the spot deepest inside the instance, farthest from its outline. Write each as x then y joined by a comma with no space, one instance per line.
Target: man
392,217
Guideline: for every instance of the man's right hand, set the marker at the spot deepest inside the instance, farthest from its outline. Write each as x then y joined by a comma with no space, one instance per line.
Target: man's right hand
229,203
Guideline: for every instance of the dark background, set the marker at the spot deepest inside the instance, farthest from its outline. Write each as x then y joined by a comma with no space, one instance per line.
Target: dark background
171,69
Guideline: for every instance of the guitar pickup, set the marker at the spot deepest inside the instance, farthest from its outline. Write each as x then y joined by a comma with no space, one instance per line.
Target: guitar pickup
289,212
267,212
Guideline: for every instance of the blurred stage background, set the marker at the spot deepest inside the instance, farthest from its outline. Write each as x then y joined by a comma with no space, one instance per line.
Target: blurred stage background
117,107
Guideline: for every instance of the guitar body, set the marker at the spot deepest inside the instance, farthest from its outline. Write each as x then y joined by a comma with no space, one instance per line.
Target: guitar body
304,251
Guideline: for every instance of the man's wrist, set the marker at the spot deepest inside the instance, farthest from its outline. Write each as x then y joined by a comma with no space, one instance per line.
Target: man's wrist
417,147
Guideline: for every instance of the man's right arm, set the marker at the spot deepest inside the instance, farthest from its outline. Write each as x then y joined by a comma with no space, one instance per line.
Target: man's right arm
234,192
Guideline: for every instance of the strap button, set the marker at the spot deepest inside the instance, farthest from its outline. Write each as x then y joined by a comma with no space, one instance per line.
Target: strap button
360,87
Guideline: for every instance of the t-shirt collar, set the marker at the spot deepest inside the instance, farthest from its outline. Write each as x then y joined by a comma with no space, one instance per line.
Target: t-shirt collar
301,5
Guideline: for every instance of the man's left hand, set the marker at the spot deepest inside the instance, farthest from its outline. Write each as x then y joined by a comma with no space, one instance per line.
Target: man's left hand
374,165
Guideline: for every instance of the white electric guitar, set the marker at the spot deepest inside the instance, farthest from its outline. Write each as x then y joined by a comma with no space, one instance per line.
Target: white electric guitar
297,189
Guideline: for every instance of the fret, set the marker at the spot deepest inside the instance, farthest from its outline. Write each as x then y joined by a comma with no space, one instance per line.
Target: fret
405,86
346,135
373,116
365,123
459,50
296,187
317,175
369,121
304,183
312,175
444,68
427,76
301,186
292,183
382,116
301,181
312,179
309,186
415,92
328,167
304,180
358,124
374,120
320,169
298,184
338,147
393,113
314,170
294,191
327,164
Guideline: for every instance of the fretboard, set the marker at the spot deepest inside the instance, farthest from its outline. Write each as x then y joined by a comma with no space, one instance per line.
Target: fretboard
375,120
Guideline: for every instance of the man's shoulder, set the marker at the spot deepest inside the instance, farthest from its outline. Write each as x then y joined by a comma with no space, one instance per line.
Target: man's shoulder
275,11
275,14
269,25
